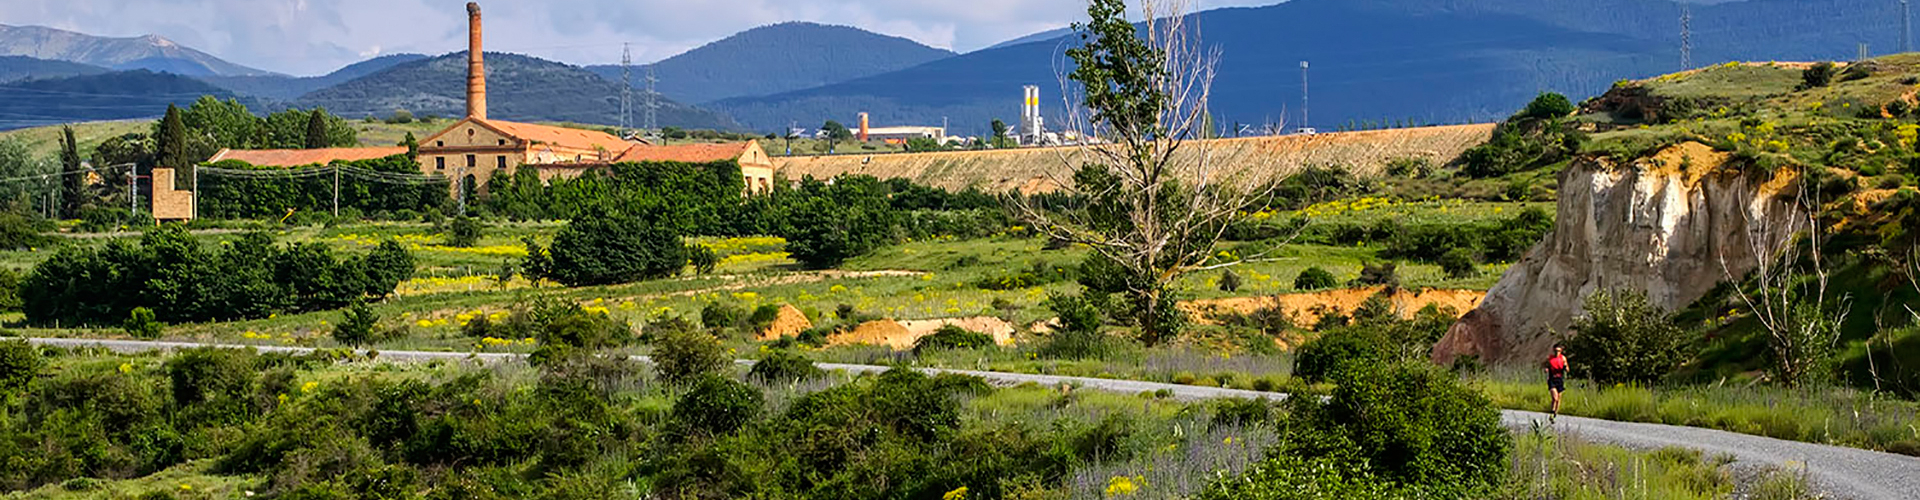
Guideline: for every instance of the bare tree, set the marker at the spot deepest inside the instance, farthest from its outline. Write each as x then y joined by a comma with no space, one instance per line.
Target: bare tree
1788,296
1156,202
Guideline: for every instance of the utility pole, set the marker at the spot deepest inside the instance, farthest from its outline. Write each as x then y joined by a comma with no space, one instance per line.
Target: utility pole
133,188
1863,52
626,89
336,191
653,100
195,213
1686,37
461,181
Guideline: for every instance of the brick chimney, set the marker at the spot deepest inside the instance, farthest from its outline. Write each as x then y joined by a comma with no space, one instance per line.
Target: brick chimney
863,127
476,67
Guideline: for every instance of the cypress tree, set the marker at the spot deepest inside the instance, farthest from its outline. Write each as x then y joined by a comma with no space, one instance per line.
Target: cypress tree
172,143
74,182
413,147
317,129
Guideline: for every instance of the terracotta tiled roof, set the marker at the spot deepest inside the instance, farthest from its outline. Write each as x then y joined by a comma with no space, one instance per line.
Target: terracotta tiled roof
687,153
303,157
559,136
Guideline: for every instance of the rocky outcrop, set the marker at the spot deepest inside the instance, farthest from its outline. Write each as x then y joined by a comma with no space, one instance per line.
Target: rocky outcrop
1662,225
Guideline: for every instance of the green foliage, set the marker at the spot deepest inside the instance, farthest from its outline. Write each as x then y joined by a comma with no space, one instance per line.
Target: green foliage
74,190
1314,278
717,405
9,290
1624,338
1384,273
180,280
1888,361
832,223
1414,427
1547,105
1229,282
17,160
783,366
21,232
357,325
256,195
140,324
1819,75
20,363
171,140
1522,144
701,258
951,337
1335,352
684,355
612,246
464,231
1458,263
1036,275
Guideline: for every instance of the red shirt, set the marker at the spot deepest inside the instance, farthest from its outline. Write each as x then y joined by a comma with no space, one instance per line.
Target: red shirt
1557,365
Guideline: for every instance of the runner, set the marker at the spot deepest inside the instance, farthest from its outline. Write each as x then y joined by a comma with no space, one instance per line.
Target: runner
1557,376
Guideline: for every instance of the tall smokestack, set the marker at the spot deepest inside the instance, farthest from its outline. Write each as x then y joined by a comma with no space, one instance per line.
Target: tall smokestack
863,127
476,66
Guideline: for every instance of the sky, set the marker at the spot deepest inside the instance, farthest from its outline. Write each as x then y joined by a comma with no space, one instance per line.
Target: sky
311,37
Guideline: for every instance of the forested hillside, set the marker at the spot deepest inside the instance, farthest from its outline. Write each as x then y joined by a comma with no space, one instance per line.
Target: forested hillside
16,68
109,96
779,58
518,88
285,88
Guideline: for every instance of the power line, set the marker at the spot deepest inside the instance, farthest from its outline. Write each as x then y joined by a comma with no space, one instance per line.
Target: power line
653,100
626,88
1686,37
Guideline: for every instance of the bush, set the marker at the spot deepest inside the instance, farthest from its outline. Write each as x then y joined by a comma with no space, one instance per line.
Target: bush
1335,352
702,258
951,337
784,365
357,324
832,223
1888,361
609,246
20,362
1378,273
141,324
20,232
1458,264
1548,105
1624,338
1229,282
464,232
209,374
1410,424
1819,75
1314,278
716,405
9,290
718,315
682,356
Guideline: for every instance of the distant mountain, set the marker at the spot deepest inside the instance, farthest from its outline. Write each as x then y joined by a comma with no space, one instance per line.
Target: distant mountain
144,52
1374,60
518,88
1044,36
109,96
286,88
15,68
779,58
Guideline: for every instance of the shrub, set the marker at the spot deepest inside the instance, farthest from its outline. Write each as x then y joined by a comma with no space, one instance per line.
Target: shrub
702,258
1819,75
207,374
357,324
1335,352
718,315
951,337
464,232
1229,282
681,356
1378,273
1416,168
20,232
832,223
20,362
609,246
1624,338
1888,361
1314,278
716,405
1548,105
141,324
783,365
1458,263
9,290
1408,423
763,316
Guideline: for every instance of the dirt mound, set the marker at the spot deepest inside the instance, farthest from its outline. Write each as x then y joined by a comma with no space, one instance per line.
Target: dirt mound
1300,306
789,323
900,335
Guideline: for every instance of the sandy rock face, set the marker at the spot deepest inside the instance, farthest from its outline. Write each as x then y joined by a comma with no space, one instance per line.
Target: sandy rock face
1662,225
790,322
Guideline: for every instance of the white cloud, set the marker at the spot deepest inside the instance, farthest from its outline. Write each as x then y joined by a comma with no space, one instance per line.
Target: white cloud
315,36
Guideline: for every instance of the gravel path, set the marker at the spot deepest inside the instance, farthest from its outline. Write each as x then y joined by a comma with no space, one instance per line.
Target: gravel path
1840,472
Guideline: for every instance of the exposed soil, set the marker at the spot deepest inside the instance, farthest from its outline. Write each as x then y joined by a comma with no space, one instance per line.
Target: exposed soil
789,323
1300,306
900,335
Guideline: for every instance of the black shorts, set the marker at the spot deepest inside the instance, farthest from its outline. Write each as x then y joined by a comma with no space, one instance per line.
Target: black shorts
1557,383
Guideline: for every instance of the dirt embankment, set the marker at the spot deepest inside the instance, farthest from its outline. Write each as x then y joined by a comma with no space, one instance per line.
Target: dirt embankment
1304,307
1035,169
900,335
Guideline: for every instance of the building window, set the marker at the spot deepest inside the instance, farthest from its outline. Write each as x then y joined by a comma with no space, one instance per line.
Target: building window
470,162
500,162
439,144
503,142
469,132
439,163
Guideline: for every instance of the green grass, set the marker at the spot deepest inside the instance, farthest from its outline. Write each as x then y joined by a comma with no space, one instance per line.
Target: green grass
1827,415
1566,467
185,481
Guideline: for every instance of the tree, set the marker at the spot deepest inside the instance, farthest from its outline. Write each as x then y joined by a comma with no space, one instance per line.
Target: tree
835,133
610,246
1624,338
171,143
1548,105
73,180
1000,139
1145,94
17,161
1788,293
464,231
413,146
683,355
317,129
225,124
357,325
830,223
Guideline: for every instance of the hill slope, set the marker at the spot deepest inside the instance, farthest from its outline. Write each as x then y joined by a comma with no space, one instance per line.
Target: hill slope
518,88
286,88
1432,68
109,96
144,52
779,58
14,68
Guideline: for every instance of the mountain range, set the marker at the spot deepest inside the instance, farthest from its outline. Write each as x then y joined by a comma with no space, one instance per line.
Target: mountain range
778,58
149,52
1381,61
105,96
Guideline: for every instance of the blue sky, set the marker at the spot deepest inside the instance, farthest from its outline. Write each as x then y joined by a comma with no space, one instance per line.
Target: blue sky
306,37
